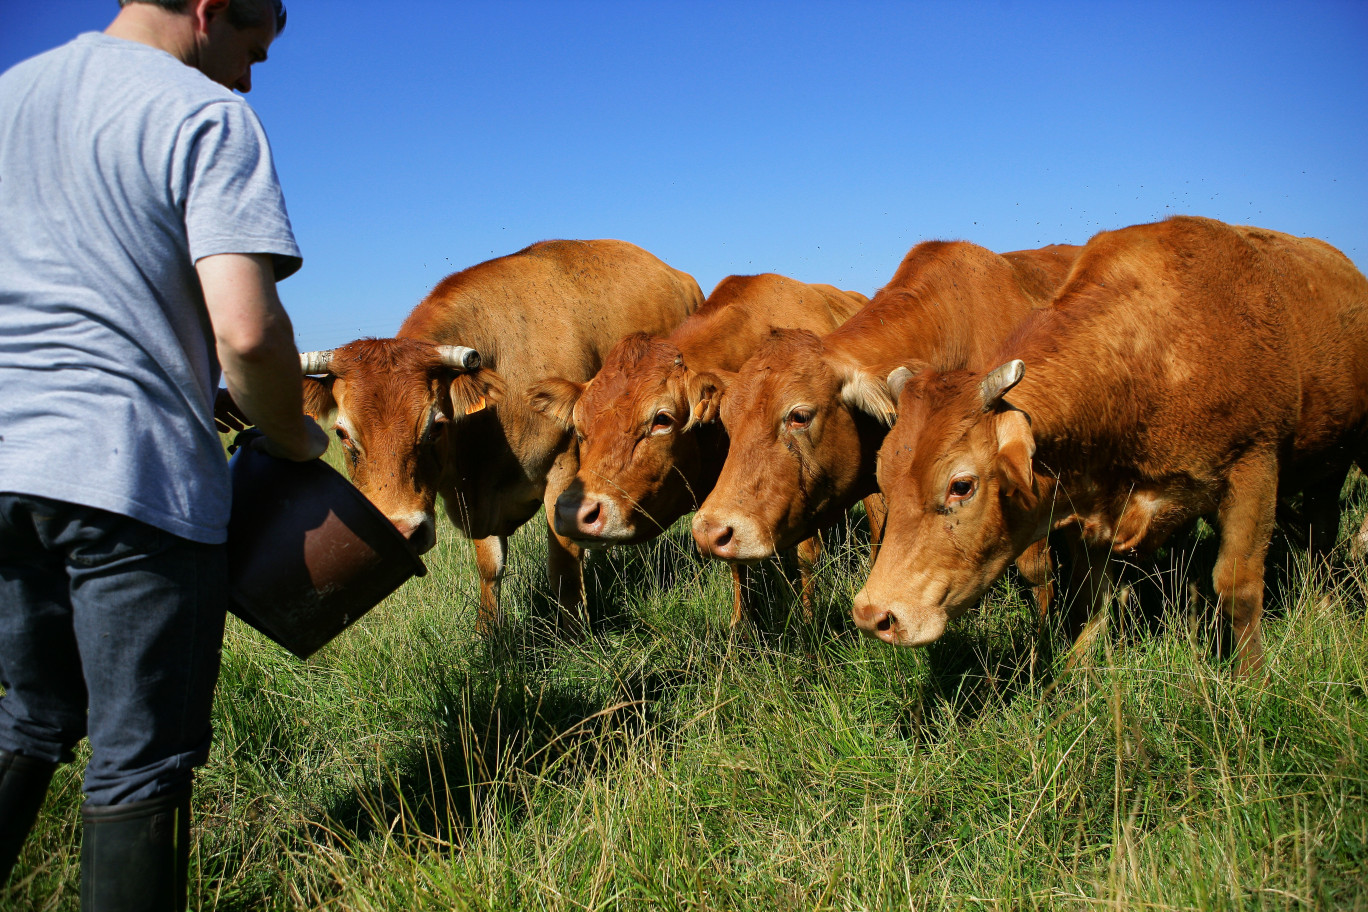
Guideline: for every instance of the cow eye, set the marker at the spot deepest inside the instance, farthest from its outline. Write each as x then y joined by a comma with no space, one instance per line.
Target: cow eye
961,488
343,438
662,423
800,417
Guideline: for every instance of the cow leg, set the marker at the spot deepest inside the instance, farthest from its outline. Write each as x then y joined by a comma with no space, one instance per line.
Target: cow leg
1359,546
808,552
1091,577
565,575
564,558
876,508
743,607
1246,517
1036,566
490,556
1317,525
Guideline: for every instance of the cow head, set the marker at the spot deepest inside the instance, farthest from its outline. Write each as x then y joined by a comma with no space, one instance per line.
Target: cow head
963,498
640,457
392,403
803,428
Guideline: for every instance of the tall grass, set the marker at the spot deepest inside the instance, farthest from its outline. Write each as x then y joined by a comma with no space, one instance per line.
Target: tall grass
668,762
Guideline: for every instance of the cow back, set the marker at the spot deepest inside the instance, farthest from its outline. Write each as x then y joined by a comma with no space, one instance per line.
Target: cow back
551,310
950,304
743,310
1175,345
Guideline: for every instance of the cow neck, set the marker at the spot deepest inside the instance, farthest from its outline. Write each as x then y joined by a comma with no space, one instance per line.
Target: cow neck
1084,412
945,319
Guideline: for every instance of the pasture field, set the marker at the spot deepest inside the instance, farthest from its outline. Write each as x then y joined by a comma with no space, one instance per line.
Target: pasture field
667,763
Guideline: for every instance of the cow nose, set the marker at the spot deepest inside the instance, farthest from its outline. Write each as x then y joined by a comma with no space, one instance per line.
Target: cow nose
873,620
590,517
577,517
421,532
715,539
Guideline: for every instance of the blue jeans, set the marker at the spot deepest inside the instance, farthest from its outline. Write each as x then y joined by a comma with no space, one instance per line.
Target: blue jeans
109,628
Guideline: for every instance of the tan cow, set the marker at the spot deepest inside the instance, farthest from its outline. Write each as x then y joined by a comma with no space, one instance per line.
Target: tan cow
650,446
553,309
1187,368
807,414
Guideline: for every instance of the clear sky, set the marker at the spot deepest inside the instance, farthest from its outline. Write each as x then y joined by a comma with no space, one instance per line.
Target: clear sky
820,140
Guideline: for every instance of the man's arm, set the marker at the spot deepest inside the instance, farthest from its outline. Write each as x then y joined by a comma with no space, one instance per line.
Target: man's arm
257,352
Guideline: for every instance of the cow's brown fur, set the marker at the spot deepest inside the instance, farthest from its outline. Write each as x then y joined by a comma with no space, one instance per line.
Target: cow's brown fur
553,309
650,447
1186,368
950,303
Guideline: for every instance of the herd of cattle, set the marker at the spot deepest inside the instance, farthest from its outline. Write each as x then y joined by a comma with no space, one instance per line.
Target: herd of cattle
1111,392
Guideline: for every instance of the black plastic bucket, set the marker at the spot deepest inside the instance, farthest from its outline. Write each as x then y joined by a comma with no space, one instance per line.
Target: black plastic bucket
308,554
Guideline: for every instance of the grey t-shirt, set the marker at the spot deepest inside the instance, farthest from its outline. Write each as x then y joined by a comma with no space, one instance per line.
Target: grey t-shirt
120,167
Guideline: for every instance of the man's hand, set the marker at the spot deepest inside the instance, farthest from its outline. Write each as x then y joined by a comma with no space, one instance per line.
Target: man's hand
227,415
256,349
317,442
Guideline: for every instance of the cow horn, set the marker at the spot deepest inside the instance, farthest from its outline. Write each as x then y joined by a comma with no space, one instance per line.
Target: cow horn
315,362
897,380
459,357
997,383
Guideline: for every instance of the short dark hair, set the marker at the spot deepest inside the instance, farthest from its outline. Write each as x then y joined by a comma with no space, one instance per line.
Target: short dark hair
241,13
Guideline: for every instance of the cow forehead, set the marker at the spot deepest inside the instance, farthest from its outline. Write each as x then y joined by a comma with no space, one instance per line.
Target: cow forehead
629,379
384,381
776,379
930,441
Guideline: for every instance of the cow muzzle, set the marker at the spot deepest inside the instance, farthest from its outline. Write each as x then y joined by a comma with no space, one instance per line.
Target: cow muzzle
419,529
734,539
589,520
897,625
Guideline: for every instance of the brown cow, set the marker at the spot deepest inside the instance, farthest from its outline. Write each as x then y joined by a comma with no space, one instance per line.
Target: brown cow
1186,368
806,414
553,309
650,447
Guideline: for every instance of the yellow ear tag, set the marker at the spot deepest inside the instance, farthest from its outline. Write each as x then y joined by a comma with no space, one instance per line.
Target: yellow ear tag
476,407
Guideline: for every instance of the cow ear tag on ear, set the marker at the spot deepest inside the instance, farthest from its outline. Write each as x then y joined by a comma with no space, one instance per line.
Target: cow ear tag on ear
476,406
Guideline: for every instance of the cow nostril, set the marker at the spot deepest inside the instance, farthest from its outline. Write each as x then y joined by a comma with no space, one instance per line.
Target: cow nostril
885,623
590,515
723,537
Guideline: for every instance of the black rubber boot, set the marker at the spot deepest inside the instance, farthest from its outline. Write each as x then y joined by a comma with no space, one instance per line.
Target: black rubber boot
134,856
23,783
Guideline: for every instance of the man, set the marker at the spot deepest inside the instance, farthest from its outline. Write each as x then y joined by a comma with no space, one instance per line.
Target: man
142,231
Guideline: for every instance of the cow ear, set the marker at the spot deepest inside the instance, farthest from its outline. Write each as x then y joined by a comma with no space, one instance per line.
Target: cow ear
556,398
1016,449
862,391
475,391
703,392
319,403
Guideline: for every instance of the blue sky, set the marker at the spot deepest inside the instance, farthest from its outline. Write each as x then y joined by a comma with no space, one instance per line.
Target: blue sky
818,140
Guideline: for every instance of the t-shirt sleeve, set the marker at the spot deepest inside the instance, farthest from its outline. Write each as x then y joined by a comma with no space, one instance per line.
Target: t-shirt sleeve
232,197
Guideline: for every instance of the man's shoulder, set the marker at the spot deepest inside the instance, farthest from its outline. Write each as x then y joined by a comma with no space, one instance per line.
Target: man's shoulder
106,64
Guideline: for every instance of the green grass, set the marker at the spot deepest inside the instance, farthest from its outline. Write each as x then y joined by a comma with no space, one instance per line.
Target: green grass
667,763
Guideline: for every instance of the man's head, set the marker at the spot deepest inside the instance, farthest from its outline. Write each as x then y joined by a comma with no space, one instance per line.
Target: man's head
241,13
220,38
